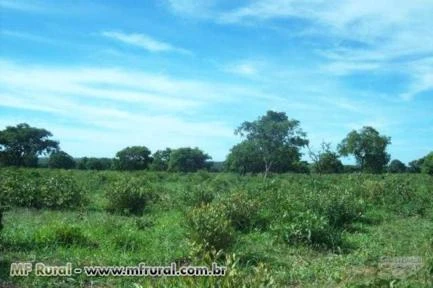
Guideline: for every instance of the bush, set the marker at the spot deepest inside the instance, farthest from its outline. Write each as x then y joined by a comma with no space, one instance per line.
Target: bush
56,190
59,233
310,228
130,196
242,211
199,194
211,227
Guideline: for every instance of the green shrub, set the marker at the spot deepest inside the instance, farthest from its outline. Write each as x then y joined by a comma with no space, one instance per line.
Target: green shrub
310,228
197,195
242,211
130,196
63,234
211,227
29,188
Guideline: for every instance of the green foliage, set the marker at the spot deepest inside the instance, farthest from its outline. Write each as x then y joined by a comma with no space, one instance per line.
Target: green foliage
272,140
427,165
310,228
368,147
243,158
396,166
291,230
199,194
211,227
56,190
61,160
59,233
187,160
92,163
325,160
160,161
242,211
21,145
415,165
133,158
130,196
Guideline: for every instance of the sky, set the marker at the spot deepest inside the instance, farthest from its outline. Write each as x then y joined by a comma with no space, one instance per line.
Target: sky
103,75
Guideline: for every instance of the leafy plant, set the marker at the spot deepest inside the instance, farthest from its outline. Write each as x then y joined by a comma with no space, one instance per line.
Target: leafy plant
211,227
130,196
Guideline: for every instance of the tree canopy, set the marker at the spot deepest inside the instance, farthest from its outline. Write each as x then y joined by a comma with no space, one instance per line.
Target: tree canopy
160,161
133,158
326,161
21,145
368,147
396,166
427,165
61,160
272,143
187,160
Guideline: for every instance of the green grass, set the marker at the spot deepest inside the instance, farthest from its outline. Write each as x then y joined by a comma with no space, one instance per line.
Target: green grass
272,224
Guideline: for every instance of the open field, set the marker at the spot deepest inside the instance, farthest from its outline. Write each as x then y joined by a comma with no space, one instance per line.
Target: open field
290,230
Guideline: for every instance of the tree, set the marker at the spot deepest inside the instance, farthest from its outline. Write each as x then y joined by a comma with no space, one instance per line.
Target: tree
160,161
61,160
368,147
275,140
243,158
326,161
187,160
415,165
427,165
21,145
133,158
396,166
93,163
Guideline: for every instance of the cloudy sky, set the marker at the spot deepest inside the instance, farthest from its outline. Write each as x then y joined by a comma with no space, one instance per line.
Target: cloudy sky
103,75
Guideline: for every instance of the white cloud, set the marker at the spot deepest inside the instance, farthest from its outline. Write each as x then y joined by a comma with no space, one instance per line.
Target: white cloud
143,41
24,5
384,35
242,68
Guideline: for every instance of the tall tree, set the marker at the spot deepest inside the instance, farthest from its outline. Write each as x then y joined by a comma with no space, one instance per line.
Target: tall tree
243,158
396,166
187,160
274,138
368,147
160,161
133,158
21,145
427,165
61,160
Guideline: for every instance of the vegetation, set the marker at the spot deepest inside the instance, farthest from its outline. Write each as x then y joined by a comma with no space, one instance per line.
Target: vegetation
368,147
396,166
427,164
290,230
61,160
319,229
133,158
187,160
273,141
21,145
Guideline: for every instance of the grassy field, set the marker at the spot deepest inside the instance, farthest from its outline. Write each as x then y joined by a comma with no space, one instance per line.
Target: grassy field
351,230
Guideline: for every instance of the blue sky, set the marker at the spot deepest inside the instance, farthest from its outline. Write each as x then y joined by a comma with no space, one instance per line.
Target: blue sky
103,75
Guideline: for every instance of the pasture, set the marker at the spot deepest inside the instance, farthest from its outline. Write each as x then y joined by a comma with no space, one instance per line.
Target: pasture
288,230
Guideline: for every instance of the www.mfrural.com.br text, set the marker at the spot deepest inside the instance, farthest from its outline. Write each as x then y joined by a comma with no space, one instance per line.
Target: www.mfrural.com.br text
22,269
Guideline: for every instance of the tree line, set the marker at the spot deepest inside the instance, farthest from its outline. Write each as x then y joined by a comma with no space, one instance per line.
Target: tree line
270,144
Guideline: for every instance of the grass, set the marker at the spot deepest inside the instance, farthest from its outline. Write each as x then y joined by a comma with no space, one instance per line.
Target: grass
374,216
